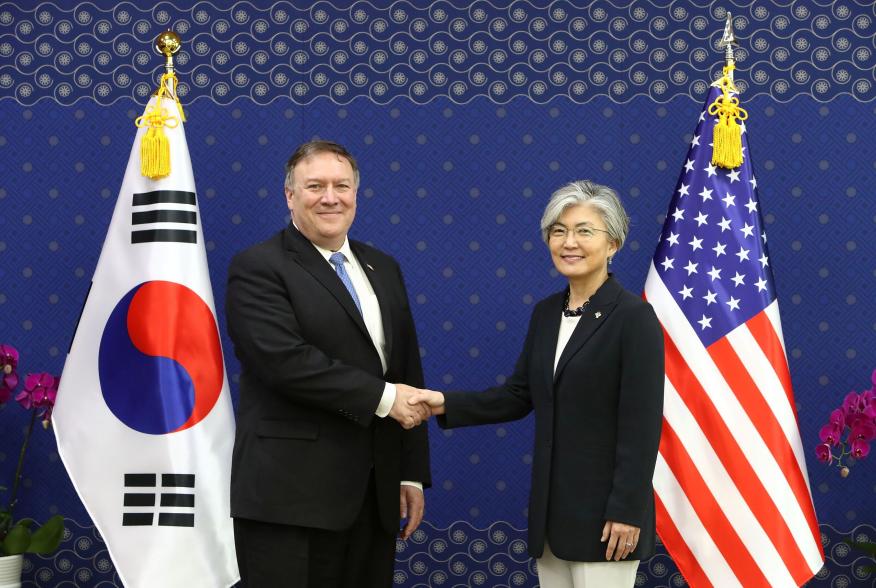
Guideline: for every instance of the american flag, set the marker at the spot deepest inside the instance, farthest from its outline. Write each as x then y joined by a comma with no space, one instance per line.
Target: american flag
734,507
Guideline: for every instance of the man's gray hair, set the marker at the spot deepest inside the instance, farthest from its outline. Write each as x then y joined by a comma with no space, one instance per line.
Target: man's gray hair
602,198
305,150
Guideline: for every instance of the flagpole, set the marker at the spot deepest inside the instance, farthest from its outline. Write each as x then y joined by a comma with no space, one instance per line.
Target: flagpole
728,42
168,44
727,139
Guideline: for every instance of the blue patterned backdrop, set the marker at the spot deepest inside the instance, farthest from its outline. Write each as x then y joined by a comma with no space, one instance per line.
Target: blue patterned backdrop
464,118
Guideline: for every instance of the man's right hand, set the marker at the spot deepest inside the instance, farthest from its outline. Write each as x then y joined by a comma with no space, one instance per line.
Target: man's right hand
408,414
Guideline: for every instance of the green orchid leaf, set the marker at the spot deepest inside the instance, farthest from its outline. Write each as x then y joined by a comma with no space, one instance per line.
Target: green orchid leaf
17,540
46,539
867,547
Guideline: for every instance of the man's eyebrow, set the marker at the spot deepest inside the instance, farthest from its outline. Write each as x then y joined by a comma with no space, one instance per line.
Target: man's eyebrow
318,179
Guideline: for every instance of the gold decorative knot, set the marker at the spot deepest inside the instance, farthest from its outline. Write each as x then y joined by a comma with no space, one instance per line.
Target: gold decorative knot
156,117
727,106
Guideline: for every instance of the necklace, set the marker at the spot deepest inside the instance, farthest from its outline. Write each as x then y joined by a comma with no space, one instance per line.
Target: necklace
576,311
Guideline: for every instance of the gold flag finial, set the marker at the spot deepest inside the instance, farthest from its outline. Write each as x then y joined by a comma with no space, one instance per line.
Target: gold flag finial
727,138
154,147
168,44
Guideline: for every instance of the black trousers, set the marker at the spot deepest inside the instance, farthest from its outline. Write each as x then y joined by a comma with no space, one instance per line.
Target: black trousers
270,555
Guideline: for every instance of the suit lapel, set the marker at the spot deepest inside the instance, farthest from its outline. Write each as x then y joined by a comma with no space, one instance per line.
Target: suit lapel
550,331
378,276
315,264
602,303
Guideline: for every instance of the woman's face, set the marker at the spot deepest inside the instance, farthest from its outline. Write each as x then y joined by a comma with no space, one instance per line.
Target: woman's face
579,244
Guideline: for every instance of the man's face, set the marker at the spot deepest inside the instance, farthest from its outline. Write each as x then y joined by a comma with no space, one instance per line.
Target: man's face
323,198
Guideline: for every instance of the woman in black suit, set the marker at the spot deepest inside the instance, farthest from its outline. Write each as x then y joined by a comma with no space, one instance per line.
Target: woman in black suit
592,369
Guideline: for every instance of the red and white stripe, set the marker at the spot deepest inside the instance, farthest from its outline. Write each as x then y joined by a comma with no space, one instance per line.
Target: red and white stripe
734,507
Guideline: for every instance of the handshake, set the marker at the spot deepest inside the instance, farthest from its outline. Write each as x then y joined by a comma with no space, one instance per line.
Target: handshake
412,405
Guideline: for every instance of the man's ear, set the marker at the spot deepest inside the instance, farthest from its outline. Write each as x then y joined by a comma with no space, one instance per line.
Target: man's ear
289,194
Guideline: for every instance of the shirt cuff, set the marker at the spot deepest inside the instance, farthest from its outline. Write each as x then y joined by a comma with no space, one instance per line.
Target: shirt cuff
416,485
386,401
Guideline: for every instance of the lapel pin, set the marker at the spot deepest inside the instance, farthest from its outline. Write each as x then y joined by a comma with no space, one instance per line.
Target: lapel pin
368,265
598,314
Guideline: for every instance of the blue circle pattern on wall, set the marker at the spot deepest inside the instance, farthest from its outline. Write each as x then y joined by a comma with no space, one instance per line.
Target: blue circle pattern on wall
616,49
454,180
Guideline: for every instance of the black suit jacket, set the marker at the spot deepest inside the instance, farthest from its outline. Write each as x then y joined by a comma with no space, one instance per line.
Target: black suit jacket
307,437
597,421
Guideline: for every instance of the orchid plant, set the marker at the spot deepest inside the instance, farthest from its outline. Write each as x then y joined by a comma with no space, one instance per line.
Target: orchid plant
848,434
38,397
850,430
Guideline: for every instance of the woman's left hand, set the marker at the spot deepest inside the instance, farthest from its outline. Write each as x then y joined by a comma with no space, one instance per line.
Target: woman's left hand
622,540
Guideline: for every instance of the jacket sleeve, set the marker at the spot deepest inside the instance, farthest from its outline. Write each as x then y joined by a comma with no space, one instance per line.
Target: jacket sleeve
640,417
267,340
508,402
415,442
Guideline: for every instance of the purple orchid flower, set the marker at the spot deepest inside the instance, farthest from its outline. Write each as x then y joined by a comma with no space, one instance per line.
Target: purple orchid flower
850,406
823,453
860,449
830,434
870,411
8,365
40,391
862,430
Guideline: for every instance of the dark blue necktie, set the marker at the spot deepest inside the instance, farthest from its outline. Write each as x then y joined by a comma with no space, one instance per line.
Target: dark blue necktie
337,260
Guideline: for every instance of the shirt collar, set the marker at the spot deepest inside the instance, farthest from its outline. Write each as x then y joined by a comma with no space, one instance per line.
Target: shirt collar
326,253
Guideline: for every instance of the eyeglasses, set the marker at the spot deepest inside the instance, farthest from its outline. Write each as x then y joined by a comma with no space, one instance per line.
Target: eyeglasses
581,233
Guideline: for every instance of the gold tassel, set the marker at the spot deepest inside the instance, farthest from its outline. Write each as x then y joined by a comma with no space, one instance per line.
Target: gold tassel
155,153
155,147
727,138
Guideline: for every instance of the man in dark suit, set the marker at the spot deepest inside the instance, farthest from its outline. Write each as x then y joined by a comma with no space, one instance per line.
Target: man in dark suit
328,455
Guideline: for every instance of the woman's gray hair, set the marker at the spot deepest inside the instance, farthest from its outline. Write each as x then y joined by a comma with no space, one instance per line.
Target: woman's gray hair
602,198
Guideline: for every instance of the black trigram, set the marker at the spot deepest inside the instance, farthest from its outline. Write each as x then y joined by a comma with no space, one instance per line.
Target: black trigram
161,214
141,493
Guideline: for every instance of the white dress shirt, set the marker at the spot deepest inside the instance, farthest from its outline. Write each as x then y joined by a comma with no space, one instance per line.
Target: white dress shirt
567,327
